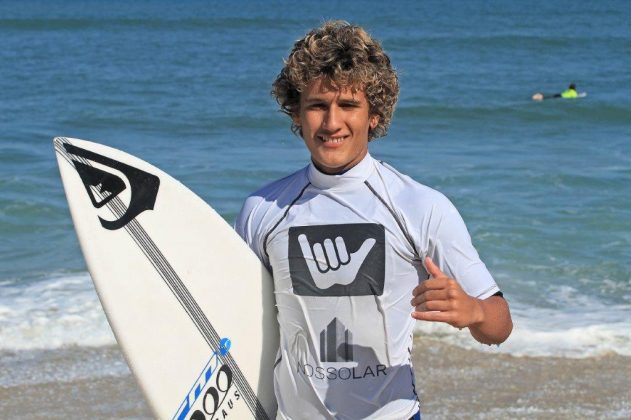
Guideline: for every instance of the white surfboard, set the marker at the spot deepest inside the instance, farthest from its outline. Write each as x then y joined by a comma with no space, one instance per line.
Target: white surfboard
190,304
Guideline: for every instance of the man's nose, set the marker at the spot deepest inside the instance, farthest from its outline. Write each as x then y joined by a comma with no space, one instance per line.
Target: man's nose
332,119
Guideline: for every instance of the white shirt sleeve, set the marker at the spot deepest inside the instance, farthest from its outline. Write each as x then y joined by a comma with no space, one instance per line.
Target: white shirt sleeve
246,227
451,249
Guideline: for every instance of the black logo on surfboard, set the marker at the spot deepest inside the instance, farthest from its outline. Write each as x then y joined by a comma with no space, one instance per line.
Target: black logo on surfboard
103,186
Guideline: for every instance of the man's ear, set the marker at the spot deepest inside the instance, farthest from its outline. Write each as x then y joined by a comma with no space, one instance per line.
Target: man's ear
295,118
374,121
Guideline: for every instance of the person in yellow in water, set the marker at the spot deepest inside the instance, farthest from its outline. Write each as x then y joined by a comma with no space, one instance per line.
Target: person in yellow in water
569,93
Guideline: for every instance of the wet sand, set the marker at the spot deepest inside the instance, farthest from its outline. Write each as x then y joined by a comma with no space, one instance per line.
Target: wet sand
452,383
458,383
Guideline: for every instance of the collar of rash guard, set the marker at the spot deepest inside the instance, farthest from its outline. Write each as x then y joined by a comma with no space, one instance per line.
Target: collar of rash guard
357,174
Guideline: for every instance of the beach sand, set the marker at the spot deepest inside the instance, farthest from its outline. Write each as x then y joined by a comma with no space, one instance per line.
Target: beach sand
458,383
452,382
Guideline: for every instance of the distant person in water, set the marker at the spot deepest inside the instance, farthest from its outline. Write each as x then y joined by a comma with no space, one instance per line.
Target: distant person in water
569,93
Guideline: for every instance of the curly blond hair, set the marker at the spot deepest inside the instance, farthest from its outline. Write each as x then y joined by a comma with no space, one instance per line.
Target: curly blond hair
349,57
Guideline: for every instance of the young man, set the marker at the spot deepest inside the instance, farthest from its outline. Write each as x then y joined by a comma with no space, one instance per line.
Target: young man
351,243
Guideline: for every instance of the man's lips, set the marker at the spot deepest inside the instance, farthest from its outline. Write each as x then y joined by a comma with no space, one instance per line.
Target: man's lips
332,140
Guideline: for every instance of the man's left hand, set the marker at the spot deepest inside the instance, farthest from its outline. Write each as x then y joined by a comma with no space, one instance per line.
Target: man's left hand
441,299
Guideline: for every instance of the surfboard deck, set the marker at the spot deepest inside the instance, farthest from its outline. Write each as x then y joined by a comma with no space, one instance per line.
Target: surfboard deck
189,303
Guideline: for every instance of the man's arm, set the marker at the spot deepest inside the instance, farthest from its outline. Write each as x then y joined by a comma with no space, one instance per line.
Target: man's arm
496,324
441,299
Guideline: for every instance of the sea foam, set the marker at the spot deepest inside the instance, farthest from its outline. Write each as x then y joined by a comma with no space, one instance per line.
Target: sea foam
58,311
576,331
64,310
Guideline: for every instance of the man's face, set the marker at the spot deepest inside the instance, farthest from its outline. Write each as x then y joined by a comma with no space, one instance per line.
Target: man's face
334,124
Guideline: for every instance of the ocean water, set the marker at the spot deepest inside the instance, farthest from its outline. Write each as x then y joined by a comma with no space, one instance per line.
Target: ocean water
545,188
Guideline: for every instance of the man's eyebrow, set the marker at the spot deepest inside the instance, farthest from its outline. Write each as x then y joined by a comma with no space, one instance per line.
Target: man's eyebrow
314,99
346,101
349,101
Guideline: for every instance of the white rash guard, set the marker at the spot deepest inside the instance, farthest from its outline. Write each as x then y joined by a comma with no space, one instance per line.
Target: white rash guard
345,252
